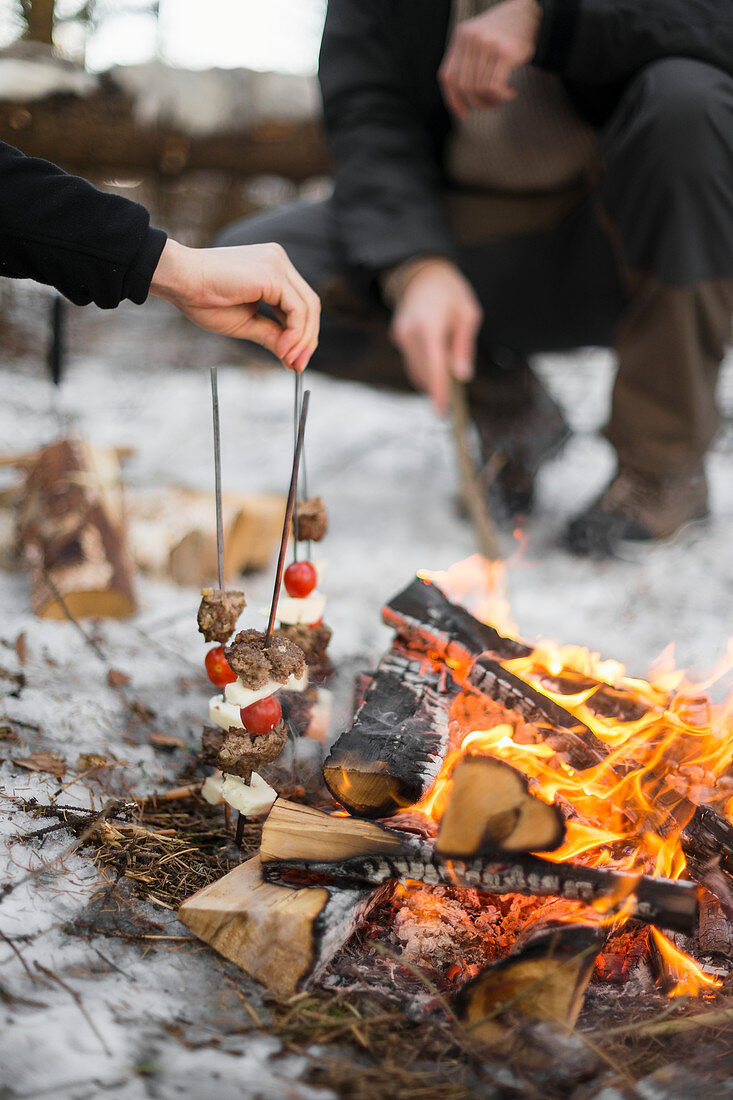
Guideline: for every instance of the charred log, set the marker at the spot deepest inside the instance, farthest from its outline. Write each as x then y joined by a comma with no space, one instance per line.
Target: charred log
715,929
707,841
426,621
332,853
395,748
492,679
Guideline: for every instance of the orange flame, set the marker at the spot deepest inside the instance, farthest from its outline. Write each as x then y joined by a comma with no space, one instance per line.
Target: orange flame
689,980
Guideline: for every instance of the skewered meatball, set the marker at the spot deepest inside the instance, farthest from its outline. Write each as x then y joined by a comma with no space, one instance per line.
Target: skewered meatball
285,657
312,520
313,640
242,753
218,613
255,663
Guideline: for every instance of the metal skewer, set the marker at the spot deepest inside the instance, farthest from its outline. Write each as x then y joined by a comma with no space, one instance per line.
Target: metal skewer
288,516
303,477
217,477
297,402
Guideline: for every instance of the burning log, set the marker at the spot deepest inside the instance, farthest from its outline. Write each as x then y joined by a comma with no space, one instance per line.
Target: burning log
284,938
492,679
425,620
707,841
302,846
544,977
491,809
715,930
72,526
396,745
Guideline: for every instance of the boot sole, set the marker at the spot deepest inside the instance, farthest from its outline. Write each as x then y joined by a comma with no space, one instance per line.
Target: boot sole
635,550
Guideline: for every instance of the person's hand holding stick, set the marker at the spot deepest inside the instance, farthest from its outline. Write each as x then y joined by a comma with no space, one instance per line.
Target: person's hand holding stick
435,324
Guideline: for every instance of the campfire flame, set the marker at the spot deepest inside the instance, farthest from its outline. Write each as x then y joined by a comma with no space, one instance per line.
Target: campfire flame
627,811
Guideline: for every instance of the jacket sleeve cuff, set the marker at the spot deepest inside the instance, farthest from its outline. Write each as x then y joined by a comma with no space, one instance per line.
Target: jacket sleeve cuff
136,284
558,29
393,282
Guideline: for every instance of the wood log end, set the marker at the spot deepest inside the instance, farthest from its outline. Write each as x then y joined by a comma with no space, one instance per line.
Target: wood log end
266,930
491,809
366,789
93,603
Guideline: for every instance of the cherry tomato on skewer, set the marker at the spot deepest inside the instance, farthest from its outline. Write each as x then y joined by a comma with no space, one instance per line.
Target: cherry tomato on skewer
217,667
262,716
300,579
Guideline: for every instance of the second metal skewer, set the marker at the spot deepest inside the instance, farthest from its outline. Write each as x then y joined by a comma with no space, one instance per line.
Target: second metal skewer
288,516
217,478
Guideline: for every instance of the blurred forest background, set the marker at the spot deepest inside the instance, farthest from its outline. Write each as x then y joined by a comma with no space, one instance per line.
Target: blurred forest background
204,112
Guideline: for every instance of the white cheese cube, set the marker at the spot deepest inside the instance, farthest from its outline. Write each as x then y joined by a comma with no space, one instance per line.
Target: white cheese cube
211,789
224,714
252,800
292,611
236,692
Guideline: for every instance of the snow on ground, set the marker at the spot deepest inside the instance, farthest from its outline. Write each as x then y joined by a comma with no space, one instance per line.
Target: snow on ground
385,468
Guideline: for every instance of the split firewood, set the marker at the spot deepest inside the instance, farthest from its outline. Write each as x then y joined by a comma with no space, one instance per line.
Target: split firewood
173,533
73,529
295,832
492,810
544,977
347,852
284,938
399,738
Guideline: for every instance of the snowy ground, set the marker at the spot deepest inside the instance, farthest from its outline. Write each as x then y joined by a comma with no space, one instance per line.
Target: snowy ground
137,378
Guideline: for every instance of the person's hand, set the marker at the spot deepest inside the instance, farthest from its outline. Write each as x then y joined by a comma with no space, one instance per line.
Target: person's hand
435,325
485,51
220,289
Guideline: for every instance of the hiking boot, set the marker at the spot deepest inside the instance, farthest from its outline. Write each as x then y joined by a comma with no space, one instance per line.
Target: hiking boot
638,507
519,426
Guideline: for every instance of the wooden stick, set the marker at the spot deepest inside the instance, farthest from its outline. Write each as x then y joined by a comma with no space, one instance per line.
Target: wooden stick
471,489
288,517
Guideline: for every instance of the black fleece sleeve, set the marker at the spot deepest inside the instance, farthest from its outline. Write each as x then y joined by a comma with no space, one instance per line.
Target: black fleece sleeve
607,41
59,229
387,176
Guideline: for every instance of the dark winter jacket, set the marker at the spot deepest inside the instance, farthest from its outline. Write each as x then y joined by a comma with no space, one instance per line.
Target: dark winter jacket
59,229
387,124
